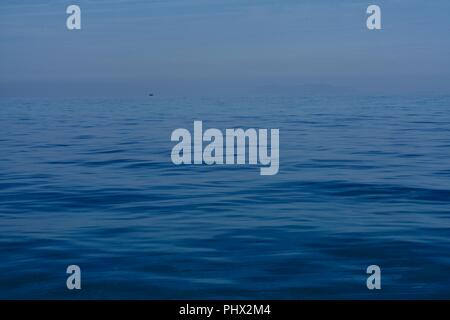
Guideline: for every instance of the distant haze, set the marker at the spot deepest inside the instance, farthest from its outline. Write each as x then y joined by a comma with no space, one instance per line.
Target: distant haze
231,47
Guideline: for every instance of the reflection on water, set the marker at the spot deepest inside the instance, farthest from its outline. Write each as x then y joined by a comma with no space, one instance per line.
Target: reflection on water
90,182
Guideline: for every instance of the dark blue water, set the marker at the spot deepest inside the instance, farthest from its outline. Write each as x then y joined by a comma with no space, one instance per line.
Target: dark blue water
90,182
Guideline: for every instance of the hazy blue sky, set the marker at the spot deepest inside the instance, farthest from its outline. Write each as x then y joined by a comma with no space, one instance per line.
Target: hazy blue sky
173,47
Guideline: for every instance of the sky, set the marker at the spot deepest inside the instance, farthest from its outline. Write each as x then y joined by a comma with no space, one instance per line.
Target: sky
223,47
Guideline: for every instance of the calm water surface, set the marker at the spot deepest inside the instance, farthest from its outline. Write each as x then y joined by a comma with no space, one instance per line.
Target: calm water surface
90,182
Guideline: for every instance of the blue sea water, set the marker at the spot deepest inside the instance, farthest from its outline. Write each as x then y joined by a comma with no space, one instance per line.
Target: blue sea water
362,181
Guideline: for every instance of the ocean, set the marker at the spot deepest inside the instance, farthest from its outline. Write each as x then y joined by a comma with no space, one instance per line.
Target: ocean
90,182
